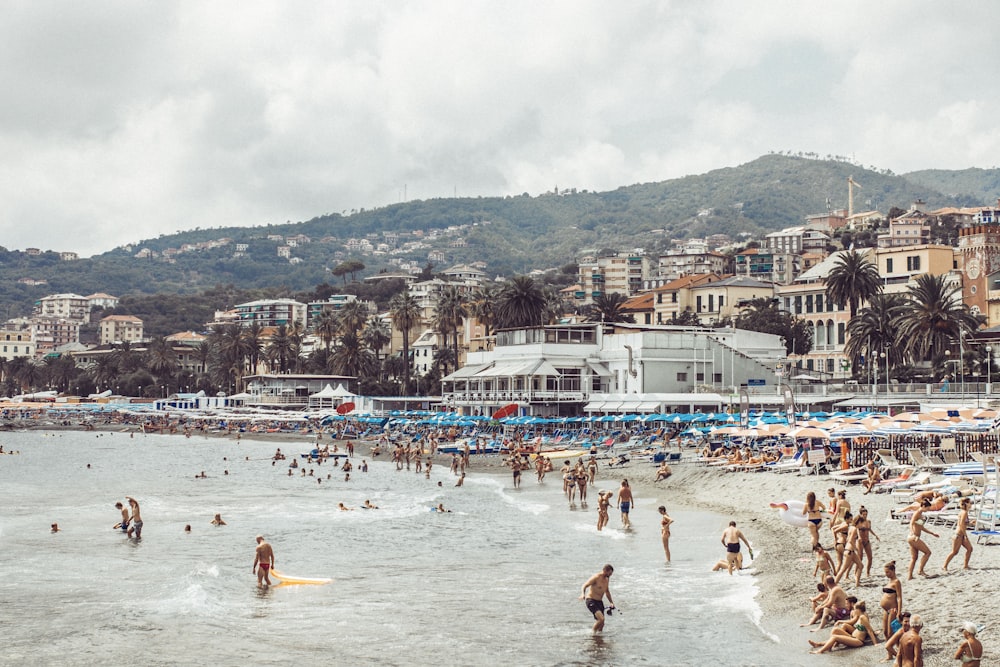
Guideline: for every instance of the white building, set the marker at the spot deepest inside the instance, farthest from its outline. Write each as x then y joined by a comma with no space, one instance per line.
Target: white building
271,312
120,329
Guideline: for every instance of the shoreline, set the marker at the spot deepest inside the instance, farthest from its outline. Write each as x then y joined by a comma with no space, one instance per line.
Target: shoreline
784,564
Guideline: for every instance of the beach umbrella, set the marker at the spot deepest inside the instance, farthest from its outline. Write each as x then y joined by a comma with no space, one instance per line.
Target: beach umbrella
808,432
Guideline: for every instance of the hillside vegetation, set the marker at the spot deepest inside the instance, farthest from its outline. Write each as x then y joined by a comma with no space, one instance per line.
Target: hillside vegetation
511,234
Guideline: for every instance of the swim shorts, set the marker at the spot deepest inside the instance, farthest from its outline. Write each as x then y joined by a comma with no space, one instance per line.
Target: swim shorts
841,614
733,548
594,606
625,507
265,566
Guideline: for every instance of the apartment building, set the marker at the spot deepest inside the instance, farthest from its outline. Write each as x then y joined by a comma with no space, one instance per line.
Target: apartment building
16,341
621,274
271,312
120,329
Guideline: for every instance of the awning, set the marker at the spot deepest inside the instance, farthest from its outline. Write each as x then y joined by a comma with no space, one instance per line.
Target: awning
466,372
599,369
502,370
543,368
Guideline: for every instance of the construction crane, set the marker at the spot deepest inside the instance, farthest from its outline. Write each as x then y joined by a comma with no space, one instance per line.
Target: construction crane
851,184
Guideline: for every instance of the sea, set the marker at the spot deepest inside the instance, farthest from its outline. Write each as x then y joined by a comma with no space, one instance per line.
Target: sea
494,581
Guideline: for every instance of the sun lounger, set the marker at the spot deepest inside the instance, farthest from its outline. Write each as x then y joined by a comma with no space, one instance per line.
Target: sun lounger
815,459
893,483
851,476
924,461
889,460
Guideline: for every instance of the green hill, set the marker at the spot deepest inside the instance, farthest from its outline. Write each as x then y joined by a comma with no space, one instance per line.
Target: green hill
511,234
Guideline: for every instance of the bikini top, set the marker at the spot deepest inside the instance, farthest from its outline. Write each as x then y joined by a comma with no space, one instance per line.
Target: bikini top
889,591
969,658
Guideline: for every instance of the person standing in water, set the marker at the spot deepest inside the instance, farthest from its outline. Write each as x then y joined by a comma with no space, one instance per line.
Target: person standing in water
125,518
264,558
599,588
731,537
625,501
665,522
136,519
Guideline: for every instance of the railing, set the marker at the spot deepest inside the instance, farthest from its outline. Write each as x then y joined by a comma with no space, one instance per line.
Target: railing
492,397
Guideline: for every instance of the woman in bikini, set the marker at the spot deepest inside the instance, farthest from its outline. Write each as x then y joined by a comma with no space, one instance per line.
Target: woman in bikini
835,515
970,651
892,596
917,545
824,565
852,552
813,512
665,530
961,536
853,634
865,534
840,531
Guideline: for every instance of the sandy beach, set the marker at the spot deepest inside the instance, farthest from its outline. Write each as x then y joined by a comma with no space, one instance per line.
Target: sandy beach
784,564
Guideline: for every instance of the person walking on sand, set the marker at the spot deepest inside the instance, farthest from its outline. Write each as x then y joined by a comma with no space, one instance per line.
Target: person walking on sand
136,526
263,561
961,536
917,545
731,538
599,588
665,522
625,502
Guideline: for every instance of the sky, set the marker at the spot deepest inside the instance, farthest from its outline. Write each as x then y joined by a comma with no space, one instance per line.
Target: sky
124,121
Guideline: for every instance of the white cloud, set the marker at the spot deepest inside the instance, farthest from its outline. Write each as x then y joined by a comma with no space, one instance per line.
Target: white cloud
129,121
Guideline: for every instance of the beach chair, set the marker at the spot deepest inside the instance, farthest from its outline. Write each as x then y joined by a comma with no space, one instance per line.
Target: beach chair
815,460
787,463
976,456
925,461
948,451
889,460
902,480
851,476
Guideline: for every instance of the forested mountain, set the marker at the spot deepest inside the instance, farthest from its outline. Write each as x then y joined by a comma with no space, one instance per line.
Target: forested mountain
510,234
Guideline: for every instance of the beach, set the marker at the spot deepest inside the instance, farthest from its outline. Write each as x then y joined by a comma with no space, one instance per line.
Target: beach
783,566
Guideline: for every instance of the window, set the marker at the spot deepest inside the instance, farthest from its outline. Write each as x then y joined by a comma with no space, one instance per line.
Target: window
913,263
809,303
819,303
699,377
717,378
722,301
673,297
841,332
682,377
888,264
798,304
711,303
697,308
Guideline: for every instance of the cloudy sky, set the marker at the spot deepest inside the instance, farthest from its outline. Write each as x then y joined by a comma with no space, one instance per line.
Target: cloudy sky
122,121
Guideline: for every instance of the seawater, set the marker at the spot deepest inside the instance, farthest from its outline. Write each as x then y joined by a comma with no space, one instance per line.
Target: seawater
495,581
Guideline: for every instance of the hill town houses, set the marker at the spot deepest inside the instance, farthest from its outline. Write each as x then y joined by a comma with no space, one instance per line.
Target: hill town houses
573,366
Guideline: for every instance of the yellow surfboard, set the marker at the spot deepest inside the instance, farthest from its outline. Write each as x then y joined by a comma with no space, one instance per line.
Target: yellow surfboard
296,581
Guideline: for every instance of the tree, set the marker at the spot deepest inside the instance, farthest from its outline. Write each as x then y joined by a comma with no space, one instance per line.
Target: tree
763,315
279,350
353,317
934,317
873,332
609,308
687,318
350,357
104,371
253,344
520,304
853,279
231,350
449,317
127,359
326,328
161,358
404,311
481,307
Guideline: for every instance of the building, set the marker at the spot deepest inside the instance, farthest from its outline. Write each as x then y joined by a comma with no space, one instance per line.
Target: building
50,333
562,370
288,391
621,274
717,300
120,329
694,257
64,306
271,313
911,228
102,300
674,298
16,341
979,260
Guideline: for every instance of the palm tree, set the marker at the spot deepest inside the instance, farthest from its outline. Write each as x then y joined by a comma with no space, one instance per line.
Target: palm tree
873,332
352,317
204,352
253,344
105,371
231,352
161,359
481,307
326,328
350,357
279,349
449,317
520,304
609,308
405,313
934,317
61,371
126,357
853,279
376,335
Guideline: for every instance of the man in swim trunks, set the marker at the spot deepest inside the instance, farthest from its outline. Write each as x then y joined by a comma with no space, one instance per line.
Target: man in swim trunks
836,607
125,518
625,502
136,519
264,557
731,537
599,589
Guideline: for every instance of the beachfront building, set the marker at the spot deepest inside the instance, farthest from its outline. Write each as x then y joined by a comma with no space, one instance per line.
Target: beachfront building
563,370
287,391
271,312
120,329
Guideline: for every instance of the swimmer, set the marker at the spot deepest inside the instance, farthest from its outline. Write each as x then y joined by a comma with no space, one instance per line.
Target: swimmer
723,563
344,508
665,530
368,505
603,504
461,480
364,465
217,521
440,509
55,528
187,528
599,588
125,518
263,557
